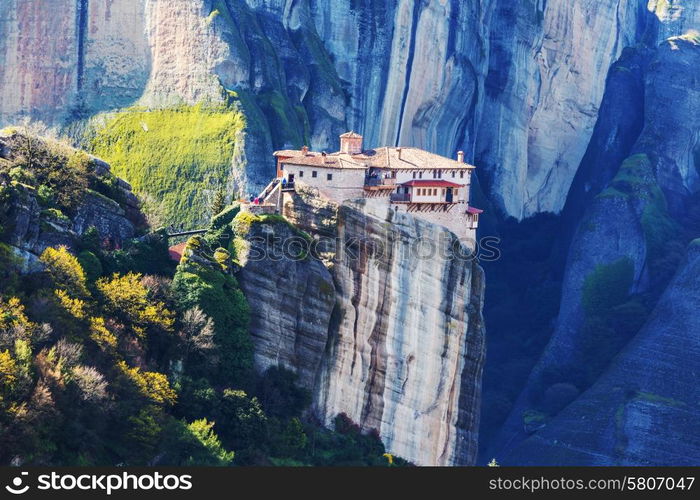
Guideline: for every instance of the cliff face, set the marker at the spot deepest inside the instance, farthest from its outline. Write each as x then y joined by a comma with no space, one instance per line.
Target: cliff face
635,415
643,217
518,86
291,302
407,343
546,78
423,83
392,339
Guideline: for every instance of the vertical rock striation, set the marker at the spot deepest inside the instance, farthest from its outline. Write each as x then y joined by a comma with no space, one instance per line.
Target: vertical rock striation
406,348
546,78
291,301
390,336
423,81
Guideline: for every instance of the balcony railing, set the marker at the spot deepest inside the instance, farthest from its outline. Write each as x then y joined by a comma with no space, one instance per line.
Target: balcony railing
288,186
401,197
373,181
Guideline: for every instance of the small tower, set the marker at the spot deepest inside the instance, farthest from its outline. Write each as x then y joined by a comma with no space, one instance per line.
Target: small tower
351,143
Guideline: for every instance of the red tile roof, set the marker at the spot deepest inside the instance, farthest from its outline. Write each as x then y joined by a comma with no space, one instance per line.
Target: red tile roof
473,210
176,251
431,183
405,158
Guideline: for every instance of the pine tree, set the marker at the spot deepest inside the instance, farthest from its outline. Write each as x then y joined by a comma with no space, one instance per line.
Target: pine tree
219,202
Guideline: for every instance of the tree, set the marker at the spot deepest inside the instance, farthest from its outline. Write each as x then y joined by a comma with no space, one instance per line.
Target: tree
8,371
197,333
219,202
65,271
205,285
215,455
126,297
290,439
242,420
152,386
195,444
90,264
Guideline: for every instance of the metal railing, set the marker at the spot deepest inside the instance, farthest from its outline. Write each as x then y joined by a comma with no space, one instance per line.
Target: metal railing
374,181
400,197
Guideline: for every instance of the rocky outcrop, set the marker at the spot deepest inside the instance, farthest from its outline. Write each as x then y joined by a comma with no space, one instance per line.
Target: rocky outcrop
390,336
291,301
32,228
636,414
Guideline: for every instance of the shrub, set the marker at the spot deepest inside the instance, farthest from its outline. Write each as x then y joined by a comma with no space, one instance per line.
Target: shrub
607,286
65,271
195,444
90,264
126,297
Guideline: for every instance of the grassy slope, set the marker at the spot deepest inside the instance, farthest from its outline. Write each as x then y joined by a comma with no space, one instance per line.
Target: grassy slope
177,157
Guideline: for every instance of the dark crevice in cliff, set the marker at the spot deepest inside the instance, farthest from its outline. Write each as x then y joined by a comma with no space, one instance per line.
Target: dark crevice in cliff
470,395
375,27
355,300
409,67
81,35
374,406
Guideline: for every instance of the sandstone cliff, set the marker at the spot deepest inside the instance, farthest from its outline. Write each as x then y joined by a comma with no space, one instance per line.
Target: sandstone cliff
392,339
518,86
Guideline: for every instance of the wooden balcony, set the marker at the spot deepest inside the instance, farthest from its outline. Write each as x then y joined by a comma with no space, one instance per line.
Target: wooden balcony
400,197
376,183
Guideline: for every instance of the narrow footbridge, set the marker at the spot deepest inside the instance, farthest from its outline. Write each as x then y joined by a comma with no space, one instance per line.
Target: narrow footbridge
187,233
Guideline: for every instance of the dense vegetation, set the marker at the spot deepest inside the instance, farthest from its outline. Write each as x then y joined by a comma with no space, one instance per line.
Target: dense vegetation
114,356
177,159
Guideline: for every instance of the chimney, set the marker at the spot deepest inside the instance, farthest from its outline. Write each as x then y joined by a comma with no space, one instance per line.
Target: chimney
460,156
351,143
398,151
304,150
